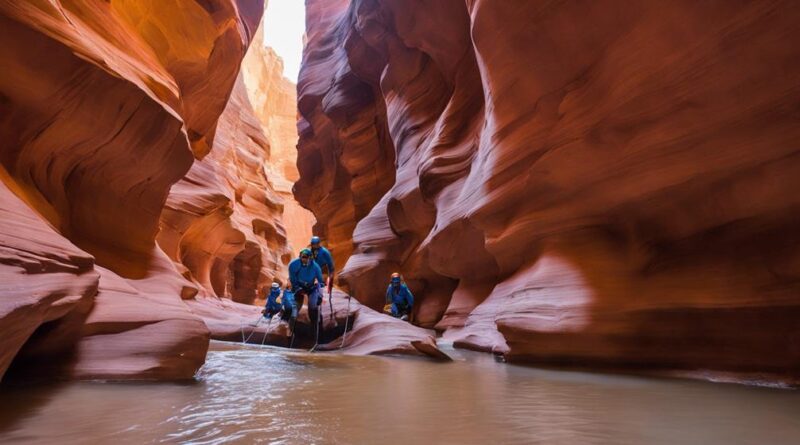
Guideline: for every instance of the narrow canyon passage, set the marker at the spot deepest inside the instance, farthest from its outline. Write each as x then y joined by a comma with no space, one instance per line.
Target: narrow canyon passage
549,193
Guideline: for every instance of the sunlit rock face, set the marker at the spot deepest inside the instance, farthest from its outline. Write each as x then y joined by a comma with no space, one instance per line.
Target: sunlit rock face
231,223
274,101
104,106
599,183
223,220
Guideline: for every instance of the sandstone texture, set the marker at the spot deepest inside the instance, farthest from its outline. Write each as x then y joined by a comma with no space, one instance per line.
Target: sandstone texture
223,220
368,332
274,101
602,183
231,223
373,333
103,107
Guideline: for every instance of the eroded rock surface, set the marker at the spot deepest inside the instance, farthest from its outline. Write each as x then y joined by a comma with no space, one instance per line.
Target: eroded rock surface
231,222
274,101
368,332
45,281
602,183
223,220
104,105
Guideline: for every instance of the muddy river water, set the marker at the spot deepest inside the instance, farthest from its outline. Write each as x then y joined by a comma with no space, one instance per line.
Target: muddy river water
251,394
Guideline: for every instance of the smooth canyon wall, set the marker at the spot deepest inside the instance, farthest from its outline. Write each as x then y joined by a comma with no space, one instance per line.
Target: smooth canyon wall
135,201
603,183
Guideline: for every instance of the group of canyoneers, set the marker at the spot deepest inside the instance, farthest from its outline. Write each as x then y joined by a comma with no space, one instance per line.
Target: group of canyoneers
306,280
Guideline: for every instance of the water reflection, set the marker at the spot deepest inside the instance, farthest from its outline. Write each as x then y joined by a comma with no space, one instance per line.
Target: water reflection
268,395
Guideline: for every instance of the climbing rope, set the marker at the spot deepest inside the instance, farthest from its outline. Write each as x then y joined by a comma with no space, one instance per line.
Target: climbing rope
319,321
266,334
294,322
346,321
253,331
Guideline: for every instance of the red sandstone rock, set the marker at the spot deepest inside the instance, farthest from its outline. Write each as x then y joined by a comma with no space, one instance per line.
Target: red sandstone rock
601,183
228,221
104,105
374,333
225,318
223,221
141,329
45,282
274,101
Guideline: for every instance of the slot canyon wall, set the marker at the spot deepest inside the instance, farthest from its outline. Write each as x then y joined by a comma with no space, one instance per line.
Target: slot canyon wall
232,219
136,207
274,101
586,183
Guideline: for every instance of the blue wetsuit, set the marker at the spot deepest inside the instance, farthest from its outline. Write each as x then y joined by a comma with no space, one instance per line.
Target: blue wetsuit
289,305
323,258
401,298
272,307
302,278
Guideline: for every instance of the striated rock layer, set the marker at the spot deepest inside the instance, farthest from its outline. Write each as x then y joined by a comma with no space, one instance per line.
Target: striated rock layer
223,220
274,101
104,105
231,222
368,332
601,183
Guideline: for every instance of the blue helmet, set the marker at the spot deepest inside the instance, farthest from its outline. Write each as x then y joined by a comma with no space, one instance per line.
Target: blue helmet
305,252
314,240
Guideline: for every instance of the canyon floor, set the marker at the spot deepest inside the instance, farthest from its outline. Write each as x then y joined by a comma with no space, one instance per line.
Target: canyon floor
254,394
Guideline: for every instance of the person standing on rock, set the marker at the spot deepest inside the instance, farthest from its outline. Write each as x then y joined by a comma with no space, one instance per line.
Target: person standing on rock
399,298
306,279
272,306
289,308
323,258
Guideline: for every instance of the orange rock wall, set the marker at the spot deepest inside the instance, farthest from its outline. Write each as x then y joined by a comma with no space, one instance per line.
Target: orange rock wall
274,100
223,220
599,183
104,106
231,223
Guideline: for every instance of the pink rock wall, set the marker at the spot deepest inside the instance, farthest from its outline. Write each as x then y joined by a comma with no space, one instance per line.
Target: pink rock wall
599,183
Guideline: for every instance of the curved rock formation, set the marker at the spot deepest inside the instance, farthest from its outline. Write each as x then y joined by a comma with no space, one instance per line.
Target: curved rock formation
46,283
223,220
368,332
373,333
231,220
602,183
274,100
104,106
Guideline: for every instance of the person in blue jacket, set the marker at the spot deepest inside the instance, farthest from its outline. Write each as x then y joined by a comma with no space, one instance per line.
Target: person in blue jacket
400,297
322,257
272,306
306,279
289,311
289,305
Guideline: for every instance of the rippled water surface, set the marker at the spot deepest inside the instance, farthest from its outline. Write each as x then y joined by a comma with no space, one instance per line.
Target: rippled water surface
248,394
